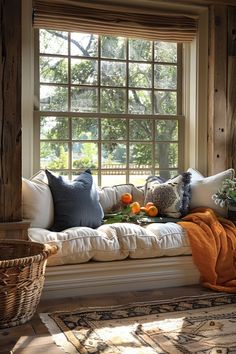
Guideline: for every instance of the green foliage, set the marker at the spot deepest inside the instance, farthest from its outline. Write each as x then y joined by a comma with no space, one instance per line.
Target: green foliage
54,77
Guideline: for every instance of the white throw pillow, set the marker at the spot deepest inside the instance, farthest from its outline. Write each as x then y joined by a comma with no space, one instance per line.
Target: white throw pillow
202,189
37,202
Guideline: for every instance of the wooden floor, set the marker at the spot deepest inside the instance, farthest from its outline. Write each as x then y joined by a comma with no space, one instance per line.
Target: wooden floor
34,338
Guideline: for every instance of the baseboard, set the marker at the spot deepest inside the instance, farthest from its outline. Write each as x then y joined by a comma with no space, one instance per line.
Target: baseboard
108,277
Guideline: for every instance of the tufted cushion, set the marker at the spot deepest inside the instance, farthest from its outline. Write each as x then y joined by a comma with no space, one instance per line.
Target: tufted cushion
76,203
114,242
170,197
202,189
110,196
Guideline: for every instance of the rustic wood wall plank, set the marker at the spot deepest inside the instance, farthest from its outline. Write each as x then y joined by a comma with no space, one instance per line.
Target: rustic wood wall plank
231,97
10,111
217,115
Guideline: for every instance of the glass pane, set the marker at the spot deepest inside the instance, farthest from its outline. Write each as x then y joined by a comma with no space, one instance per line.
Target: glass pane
53,98
53,42
54,128
140,155
167,130
84,44
165,52
165,76
113,129
166,174
140,50
113,100
84,100
113,155
94,174
140,102
165,102
84,71
167,155
140,129
113,47
84,155
54,156
84,128
113,73
113,178
53,70
140,75
138,178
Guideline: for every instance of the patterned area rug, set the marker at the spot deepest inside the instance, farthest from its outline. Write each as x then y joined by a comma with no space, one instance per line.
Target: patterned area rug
204,325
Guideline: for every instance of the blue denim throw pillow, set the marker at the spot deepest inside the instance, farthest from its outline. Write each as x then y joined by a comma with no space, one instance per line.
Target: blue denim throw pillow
76,203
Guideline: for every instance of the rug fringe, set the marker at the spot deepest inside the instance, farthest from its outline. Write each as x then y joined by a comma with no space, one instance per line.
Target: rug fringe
58,336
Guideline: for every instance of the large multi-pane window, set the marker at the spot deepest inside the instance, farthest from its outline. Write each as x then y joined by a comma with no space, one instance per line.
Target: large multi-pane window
108,103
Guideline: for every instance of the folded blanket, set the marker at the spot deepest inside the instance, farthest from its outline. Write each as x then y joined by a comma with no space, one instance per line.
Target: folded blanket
213,243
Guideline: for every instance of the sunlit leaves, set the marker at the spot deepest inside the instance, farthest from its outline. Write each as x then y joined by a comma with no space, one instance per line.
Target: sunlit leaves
84,44
113,47
101,98
84,71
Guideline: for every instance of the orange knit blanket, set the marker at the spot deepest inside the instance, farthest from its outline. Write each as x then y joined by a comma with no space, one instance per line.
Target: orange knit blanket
213,243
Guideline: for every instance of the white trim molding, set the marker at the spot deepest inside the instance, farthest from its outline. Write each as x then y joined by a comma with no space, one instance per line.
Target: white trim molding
109,277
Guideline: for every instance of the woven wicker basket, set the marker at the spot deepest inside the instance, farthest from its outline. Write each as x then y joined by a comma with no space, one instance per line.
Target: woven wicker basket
22,268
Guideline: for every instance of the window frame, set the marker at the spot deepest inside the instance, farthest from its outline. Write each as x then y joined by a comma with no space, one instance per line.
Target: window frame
154,117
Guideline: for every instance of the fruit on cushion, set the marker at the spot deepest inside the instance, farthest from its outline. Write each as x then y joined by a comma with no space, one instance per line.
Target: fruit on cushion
135,207
148,205
126,198
143,209
152,211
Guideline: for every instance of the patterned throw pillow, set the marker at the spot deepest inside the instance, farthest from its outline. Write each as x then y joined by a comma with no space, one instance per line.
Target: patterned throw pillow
172,197
76,203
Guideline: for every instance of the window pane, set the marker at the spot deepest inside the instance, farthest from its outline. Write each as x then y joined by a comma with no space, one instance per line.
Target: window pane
84,128
140,155
113,100
167,130
140,50
167,155
54,156
111,179
165,76
140,75
84,100
140,129
165,52
84,155
53,98
138,178
113,73
167,174
140,102
54,128
113,47
94,173
113,129
84,44
113,155
165,102
53,42
84,71
53,70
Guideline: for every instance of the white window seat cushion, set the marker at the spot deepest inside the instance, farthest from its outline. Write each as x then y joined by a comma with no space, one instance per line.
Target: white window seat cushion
113,242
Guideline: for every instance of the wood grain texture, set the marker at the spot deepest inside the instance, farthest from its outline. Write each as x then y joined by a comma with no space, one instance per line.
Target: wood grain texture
217,113
231,98
10,111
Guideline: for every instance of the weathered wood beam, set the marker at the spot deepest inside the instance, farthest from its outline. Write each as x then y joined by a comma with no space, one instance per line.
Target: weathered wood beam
217,112
231,96
10,111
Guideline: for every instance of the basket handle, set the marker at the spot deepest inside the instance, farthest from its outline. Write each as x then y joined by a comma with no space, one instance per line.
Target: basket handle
50,249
